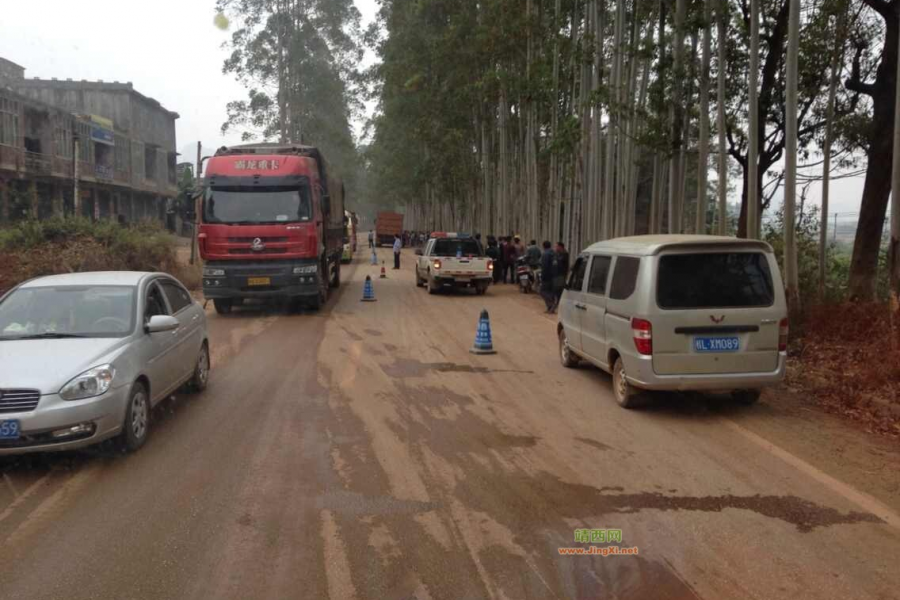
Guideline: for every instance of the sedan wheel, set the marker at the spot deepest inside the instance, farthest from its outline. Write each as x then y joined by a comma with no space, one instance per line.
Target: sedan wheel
137,419
201,370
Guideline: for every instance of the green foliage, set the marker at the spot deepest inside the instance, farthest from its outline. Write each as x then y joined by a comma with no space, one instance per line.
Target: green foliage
143,246
298,60
837,259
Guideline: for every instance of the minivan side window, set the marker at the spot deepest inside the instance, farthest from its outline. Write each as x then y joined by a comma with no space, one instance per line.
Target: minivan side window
624,277
599,275
576,279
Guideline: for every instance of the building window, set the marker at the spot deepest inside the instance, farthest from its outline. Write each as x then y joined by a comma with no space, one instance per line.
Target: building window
137,161
62,137
123,154
9,122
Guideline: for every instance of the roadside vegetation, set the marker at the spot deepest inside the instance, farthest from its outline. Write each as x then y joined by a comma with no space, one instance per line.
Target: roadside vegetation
71,244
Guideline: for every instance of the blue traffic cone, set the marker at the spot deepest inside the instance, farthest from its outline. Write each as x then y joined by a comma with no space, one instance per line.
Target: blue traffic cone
374,257
368,291
483,342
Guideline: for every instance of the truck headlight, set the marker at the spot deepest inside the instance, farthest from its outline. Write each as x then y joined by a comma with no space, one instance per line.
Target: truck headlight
93,382
306,270
209,272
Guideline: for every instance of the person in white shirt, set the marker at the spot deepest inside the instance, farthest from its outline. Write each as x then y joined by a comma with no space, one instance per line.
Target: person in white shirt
397,246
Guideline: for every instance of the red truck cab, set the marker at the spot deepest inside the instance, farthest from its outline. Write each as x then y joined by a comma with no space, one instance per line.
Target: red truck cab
271,225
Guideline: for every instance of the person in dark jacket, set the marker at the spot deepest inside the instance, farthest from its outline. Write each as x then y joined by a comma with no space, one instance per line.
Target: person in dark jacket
548,276
512,253
562,270
500,267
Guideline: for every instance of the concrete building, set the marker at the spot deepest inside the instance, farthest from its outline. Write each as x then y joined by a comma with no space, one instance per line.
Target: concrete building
98,149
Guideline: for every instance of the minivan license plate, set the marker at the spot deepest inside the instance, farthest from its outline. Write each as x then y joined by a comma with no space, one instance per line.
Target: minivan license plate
9,430
717,344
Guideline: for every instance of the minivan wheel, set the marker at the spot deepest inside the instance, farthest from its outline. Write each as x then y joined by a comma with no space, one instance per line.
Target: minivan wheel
746,397
137,419
627,396
568,358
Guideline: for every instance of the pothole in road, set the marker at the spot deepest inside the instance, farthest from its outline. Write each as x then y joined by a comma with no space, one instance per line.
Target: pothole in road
410,367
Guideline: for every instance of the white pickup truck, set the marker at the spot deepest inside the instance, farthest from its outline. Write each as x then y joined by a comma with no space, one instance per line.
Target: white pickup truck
452,260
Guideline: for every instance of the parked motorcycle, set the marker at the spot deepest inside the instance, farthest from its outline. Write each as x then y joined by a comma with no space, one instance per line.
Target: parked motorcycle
529,277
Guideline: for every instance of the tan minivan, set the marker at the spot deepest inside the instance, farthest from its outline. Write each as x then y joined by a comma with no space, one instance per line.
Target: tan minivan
677,312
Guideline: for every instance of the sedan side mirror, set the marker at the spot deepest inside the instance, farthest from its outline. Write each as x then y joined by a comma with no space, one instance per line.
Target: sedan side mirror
419,252
160,323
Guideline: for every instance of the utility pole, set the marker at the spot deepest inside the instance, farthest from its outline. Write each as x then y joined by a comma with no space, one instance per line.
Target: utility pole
753,133
196,205
790,180
76,192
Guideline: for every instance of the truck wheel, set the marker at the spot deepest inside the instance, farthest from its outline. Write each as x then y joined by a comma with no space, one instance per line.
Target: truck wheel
481,290
336,278
223,305
429,284
418,279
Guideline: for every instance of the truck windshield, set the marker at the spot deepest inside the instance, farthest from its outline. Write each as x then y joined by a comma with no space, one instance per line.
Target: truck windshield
256,205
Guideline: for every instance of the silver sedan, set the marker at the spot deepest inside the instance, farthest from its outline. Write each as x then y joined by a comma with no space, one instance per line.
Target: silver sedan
84,357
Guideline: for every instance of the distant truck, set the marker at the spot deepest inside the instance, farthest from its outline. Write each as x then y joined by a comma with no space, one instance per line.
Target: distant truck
272,225
453,260
387,225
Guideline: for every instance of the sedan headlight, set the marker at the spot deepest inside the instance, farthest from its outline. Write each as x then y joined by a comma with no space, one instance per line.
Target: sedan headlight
93,382
208,272
306,270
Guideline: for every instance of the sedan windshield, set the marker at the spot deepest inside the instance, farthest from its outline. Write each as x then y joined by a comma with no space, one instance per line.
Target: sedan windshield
256,205
67,311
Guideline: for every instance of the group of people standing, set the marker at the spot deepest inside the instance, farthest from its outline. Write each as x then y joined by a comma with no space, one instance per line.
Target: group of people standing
553,262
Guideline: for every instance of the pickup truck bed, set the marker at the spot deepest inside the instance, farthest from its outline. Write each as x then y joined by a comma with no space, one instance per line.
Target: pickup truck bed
435,270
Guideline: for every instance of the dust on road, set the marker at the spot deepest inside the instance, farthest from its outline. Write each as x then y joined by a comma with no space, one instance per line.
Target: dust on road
363,452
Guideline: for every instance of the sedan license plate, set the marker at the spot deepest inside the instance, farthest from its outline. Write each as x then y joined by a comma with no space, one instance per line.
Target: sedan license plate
730,343
259,281
9,430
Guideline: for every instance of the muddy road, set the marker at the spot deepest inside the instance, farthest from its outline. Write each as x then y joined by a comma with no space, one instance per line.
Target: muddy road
363,452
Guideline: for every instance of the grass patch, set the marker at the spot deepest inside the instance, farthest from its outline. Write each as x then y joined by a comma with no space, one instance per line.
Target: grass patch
74,244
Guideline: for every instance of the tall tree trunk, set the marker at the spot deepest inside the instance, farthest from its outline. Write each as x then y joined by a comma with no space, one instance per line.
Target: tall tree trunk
752,203
835,73
791,275
894,241
877,186
703,142
722,17
676,201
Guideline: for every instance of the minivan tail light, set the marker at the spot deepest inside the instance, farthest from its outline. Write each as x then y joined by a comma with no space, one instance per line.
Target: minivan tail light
643,336
783,335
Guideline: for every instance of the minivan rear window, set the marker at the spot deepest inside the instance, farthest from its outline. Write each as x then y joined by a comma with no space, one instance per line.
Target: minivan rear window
714,280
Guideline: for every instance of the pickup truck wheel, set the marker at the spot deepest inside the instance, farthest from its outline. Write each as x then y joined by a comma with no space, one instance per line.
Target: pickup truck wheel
419,282
223,305
429,283
627,396
481,289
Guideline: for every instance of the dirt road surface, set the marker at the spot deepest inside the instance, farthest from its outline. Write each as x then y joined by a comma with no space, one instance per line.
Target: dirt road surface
363,452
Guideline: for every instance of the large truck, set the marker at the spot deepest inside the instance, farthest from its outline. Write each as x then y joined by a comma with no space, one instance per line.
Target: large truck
387,225
271,225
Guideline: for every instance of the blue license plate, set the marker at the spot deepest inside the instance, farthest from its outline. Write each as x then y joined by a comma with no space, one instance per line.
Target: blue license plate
717,344
9,430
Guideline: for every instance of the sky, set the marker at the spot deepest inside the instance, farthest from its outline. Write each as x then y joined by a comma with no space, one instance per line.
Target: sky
171,51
